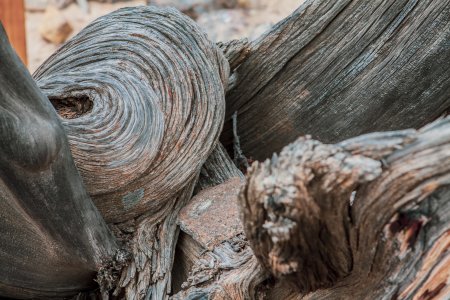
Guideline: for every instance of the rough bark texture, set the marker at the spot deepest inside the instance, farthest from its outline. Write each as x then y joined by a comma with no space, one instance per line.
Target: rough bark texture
337,69
149,275
368,218
53,240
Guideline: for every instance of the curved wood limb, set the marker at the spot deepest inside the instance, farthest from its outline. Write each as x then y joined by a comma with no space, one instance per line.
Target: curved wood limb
53,238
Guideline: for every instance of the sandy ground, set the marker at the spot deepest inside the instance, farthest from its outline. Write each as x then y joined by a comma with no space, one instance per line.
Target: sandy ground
38,49
220,25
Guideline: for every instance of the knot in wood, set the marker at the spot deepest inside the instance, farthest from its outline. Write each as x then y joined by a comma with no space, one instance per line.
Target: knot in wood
156,85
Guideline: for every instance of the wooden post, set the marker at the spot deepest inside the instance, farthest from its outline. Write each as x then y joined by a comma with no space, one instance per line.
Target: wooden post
12,15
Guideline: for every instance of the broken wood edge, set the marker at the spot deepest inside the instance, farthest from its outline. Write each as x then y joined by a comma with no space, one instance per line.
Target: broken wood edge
337,220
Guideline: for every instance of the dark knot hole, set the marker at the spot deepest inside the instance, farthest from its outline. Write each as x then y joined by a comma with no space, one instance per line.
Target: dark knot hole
72,107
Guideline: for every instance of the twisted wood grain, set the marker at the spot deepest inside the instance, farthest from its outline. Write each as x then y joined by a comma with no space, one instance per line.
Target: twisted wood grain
338,69
144,89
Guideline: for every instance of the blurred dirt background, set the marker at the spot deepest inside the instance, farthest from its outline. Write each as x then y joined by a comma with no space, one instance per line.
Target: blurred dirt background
50,22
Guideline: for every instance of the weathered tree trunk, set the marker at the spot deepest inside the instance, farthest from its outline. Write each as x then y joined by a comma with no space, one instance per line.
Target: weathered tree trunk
53,240
141,96
140,92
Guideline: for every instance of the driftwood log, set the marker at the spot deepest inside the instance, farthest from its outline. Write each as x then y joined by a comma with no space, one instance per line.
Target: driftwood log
152,206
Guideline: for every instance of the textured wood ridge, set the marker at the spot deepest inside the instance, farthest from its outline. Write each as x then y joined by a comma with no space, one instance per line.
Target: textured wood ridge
337,69
53,239
141,96
367,218
148,87
215,261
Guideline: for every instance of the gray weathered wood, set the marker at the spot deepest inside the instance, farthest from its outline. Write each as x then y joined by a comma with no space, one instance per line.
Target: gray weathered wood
141,96
368,218
337,69
140,93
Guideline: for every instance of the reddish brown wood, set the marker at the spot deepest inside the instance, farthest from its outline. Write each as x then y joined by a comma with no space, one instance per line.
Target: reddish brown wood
12,15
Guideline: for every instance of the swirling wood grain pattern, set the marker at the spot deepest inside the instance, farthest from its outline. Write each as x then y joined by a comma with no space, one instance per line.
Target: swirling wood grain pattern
142,90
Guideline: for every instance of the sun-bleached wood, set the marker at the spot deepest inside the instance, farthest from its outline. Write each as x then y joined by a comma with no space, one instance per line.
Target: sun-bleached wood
141,95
